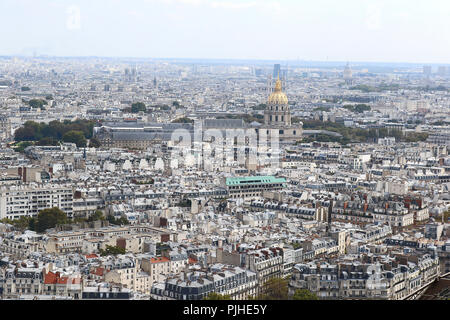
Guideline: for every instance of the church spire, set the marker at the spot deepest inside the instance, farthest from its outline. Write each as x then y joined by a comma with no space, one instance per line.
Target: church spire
278,86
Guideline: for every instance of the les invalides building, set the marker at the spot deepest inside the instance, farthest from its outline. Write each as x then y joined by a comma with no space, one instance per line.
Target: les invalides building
277,116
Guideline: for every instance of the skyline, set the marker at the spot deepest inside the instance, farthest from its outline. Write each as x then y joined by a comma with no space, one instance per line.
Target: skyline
355,31
237,61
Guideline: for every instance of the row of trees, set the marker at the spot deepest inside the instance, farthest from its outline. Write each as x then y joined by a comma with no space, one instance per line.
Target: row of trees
112,250
98,215
274,289
77,132
141,107
359,108
183,120
350,135
46,219
37,103
50,218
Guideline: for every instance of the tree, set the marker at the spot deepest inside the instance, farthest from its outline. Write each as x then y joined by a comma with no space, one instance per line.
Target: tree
21,224
137,107
98,215
275,289
217,296
76,137
47,141
183,120
33,131
50,218
304,294
37,103
26,133
94,143
21,146
112,250
117,221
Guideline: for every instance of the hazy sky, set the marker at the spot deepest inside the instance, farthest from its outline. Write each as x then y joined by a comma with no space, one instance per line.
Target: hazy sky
345,30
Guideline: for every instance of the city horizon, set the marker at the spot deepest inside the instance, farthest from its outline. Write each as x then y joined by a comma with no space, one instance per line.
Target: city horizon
269,62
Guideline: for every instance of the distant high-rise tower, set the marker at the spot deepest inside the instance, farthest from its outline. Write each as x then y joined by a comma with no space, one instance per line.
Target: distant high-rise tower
348,76
276,70
277,74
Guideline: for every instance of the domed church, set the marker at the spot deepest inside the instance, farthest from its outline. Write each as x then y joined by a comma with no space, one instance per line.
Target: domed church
277,116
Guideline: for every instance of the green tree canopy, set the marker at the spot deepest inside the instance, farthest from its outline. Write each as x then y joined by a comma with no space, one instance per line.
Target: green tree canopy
275,289
112,250
137,107
117,221
98,215
76,137
33,131
37,103
47,141
49,218
21,224
94,143
183,120
304,294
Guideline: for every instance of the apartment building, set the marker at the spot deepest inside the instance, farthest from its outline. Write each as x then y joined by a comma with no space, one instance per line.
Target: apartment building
157,268
126,272
390,278
21,245
65,242
237,282
357,211
19,201
17,281
267,263
56,284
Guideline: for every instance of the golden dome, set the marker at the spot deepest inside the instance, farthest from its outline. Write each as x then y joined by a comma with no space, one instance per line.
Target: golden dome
278,97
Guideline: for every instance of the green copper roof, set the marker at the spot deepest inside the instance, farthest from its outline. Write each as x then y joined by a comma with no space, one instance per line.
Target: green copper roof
254,180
